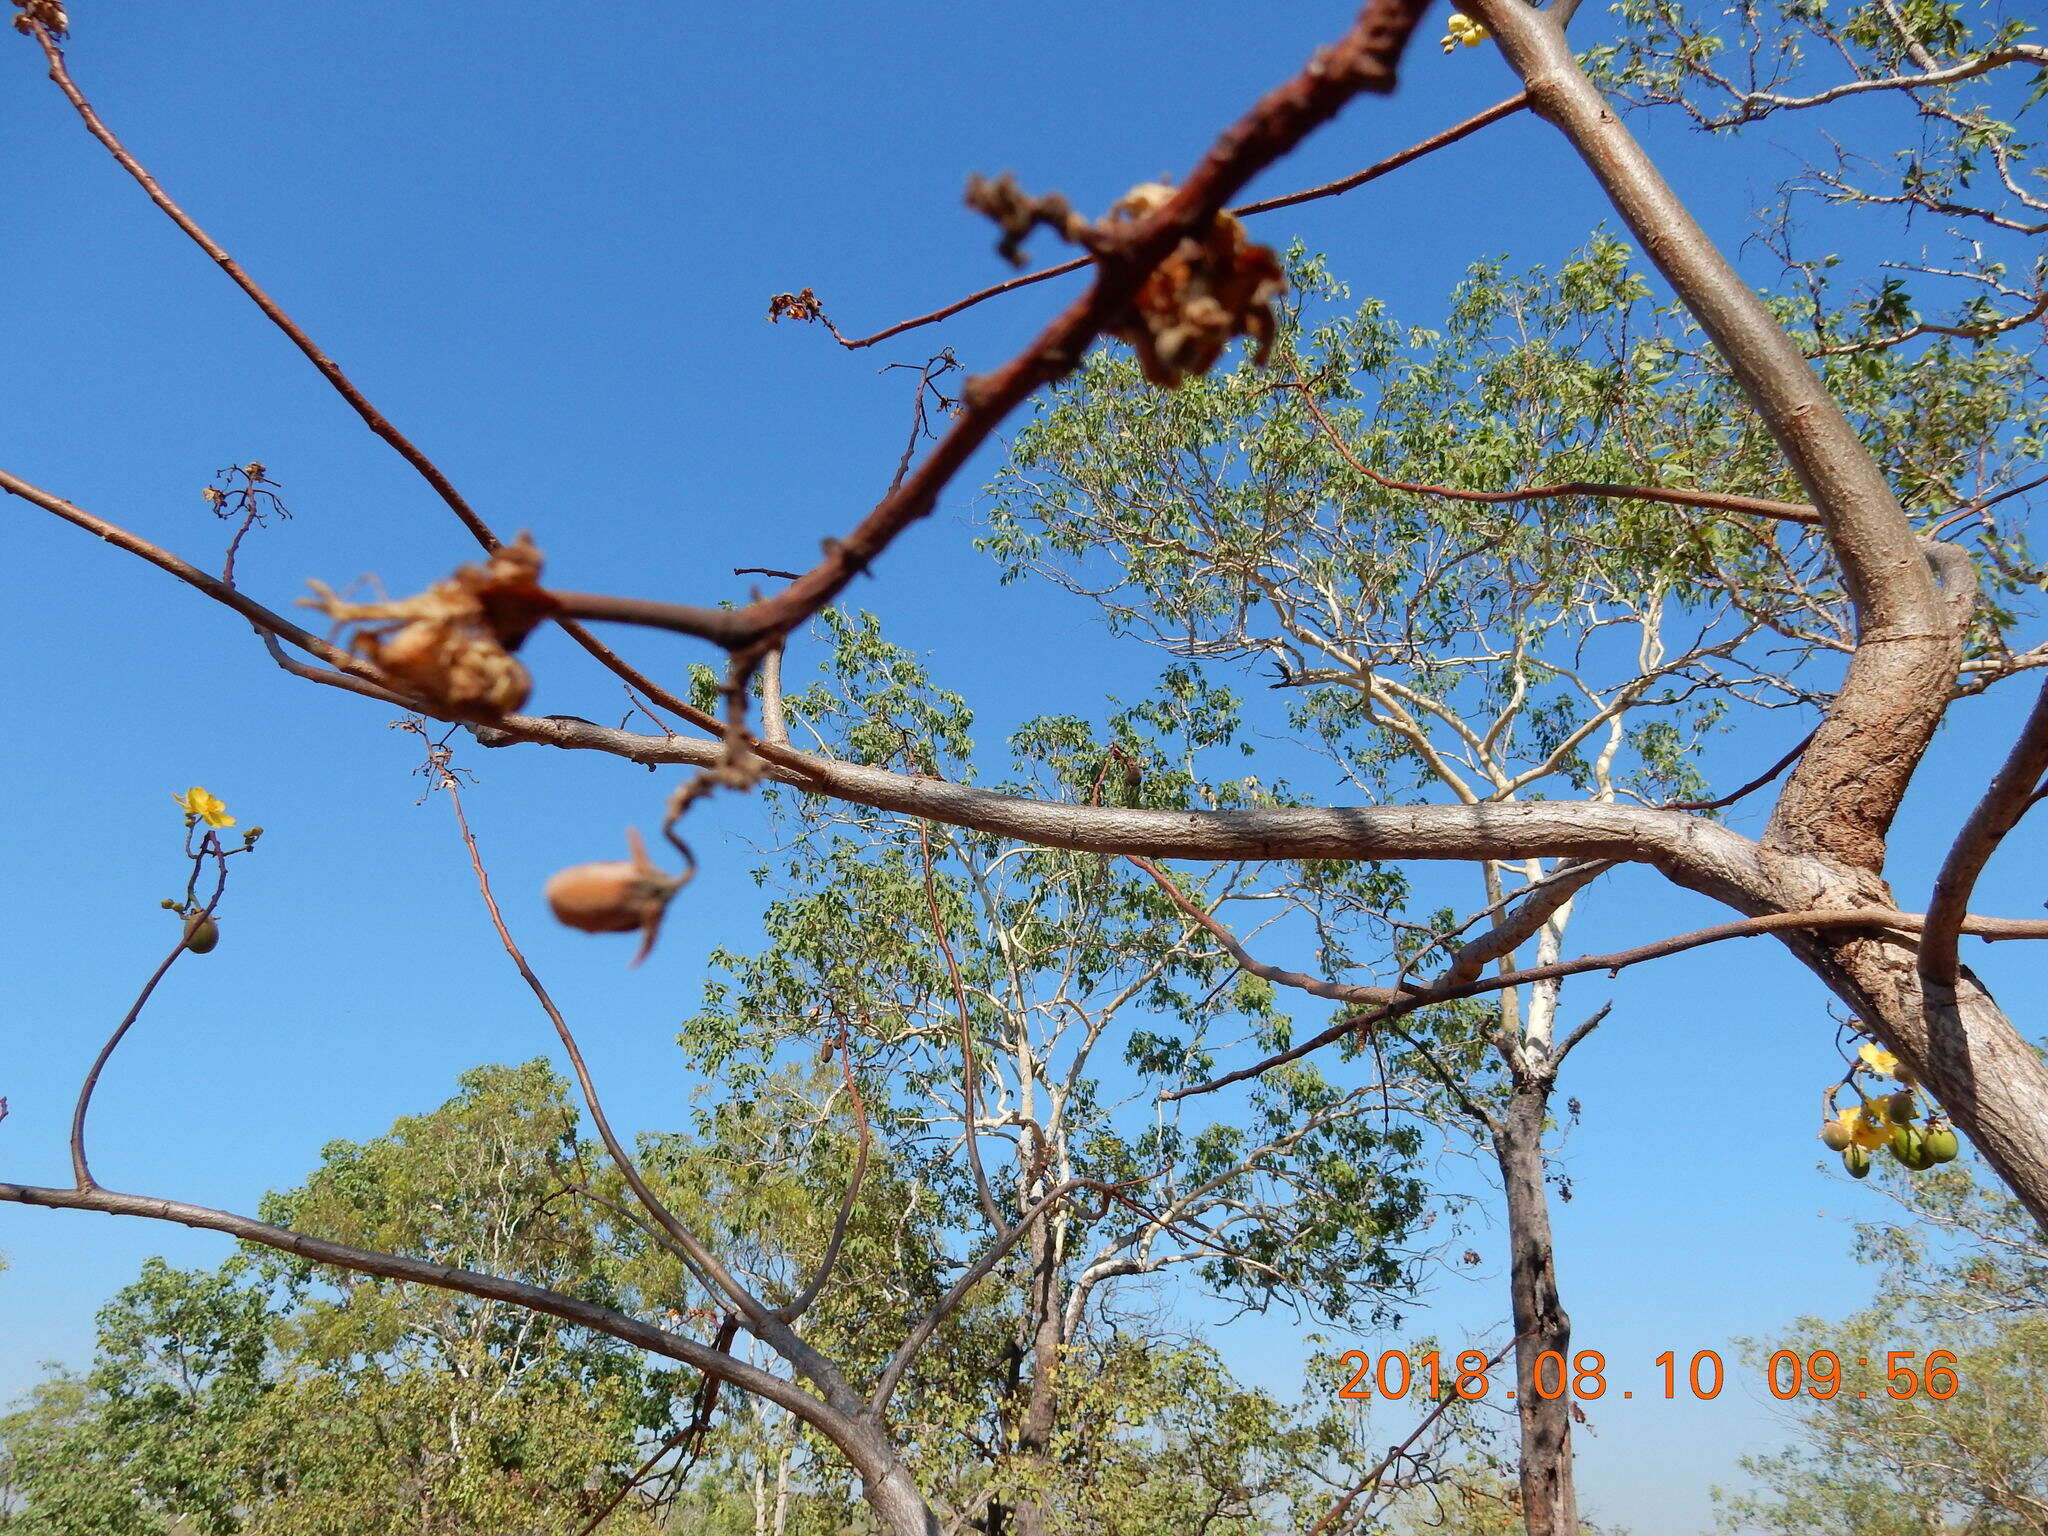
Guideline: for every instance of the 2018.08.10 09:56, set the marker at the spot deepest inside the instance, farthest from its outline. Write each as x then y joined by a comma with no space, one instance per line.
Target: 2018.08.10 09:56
1821,1374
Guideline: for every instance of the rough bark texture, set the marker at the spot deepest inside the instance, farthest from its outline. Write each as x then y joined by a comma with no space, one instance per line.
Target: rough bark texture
1549,1495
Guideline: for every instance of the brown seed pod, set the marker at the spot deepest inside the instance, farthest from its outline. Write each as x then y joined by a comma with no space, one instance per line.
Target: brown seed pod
201,933
616,896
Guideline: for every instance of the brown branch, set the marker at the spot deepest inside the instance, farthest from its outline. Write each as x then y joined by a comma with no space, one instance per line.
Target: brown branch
2012,792
844,1218
1364,59
191,575
1720,501
969,1070
81,1171
692,1433
1751,787
1336,991
391,1266
331,371
1372,1479
1743,928
761,1319
1373,172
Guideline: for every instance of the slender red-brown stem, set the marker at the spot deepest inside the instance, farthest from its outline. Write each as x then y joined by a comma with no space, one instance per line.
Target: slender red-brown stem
81,1171
1343,184
1878,918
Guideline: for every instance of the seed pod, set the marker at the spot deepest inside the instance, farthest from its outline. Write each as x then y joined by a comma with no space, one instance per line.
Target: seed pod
1905,1144
201,933
1834,1135
1900,1108
1940,1144
1857,1161
619,896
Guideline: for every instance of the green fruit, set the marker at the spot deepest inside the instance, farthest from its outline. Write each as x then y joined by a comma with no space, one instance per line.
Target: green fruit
1906,1144
1900,1107
201,933
1940,1144
1834,1135
1857,1161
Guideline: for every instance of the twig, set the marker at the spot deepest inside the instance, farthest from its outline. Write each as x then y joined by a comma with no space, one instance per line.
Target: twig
1744,928
1720,501
373,418
969,1070
81,1172
1364,59
1373,172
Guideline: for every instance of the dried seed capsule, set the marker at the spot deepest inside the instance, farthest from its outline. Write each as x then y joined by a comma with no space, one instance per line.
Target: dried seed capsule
617,896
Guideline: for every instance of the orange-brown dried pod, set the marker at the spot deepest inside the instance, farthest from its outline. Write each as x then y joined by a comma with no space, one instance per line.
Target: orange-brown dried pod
615,896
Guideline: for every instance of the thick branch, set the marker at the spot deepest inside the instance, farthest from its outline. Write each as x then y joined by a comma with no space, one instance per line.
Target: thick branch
1841,798
2014,790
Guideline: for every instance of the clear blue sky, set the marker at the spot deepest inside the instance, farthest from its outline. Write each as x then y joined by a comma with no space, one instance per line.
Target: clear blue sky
543,239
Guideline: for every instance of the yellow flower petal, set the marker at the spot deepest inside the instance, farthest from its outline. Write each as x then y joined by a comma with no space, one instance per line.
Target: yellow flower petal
205,805
1879,1060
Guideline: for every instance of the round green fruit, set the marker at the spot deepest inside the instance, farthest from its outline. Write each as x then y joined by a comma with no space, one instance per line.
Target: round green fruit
1940,1144
1906,1144
1857,1161
1834,1135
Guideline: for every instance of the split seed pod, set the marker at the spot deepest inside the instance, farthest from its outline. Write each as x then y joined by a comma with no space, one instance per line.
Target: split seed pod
618,896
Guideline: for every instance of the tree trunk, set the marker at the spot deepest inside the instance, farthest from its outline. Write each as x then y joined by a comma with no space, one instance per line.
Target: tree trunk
1549,1497
1041,1402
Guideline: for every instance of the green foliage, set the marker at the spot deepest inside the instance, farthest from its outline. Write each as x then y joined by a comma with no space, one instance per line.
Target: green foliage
1964,1274
266,1397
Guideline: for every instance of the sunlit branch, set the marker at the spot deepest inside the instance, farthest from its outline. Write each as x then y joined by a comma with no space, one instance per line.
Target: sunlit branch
2013,792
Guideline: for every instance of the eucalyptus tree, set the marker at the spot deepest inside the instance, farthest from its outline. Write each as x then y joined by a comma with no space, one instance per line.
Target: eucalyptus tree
1888,602
1011,1014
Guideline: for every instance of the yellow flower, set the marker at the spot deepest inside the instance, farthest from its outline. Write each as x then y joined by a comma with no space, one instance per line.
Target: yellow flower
205,805
1879,1060
1460,28
1868,1128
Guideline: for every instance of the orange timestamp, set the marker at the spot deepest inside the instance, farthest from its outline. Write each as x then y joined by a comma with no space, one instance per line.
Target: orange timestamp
1470,1374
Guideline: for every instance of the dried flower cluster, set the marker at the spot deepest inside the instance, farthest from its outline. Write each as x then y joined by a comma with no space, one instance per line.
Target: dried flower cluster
1206,292
453,643
1016,213
796,306
49,13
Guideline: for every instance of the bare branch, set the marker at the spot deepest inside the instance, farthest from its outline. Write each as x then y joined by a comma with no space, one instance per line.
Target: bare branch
1784,511
1373,172
2012,793
1877,920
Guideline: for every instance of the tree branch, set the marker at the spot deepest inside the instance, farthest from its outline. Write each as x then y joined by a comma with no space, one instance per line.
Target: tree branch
1373,172
1877,919
2012,793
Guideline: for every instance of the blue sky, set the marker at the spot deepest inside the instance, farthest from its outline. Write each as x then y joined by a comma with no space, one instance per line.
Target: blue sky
545,247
